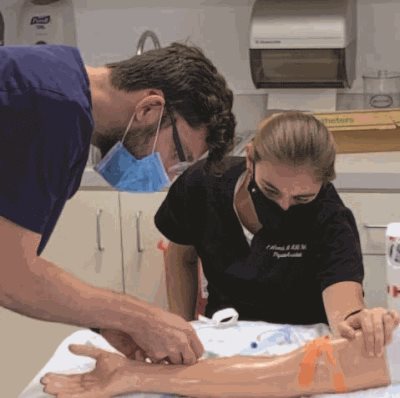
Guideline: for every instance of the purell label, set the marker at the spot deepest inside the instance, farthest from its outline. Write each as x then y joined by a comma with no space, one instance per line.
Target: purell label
40,20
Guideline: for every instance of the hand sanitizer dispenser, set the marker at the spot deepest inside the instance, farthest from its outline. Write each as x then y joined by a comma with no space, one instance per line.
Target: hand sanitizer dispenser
47,22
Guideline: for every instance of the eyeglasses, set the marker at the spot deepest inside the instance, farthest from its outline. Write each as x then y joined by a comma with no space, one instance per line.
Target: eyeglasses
175,136
183,163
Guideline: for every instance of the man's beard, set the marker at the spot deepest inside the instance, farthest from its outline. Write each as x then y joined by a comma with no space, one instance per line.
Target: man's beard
136,140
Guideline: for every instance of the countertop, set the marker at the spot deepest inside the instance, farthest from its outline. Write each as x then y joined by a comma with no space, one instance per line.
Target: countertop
361,171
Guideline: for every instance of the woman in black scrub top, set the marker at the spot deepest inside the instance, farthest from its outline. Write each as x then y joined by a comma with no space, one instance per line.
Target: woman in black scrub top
275,240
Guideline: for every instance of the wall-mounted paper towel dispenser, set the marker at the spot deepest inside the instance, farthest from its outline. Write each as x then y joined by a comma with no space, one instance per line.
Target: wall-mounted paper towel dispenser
303,43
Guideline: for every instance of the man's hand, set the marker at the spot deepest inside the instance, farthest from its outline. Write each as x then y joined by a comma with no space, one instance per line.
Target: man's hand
124,344
164,336
377,325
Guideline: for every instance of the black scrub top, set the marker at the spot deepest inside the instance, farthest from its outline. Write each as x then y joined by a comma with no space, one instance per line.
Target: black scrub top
281,275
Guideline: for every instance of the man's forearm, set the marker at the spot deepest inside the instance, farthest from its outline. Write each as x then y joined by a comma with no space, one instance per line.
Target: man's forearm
43,291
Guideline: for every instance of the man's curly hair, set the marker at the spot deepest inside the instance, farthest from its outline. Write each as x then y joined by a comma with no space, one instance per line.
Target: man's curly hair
192,87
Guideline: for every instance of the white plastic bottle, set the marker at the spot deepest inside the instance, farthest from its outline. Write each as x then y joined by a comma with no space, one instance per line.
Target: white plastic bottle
393,265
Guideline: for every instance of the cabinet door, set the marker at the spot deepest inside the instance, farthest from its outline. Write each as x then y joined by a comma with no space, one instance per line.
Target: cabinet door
375,285
87,239
144,273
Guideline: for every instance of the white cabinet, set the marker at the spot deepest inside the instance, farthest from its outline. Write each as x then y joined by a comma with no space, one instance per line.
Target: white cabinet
143,259
373,211
87,239
109,239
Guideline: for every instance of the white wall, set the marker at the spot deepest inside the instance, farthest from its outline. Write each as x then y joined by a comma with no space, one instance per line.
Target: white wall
221,29
378,37
109,30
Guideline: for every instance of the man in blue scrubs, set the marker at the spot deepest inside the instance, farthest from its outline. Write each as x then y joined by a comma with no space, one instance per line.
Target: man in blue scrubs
170,102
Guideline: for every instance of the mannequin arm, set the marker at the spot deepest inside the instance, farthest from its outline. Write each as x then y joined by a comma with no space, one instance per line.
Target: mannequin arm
273,377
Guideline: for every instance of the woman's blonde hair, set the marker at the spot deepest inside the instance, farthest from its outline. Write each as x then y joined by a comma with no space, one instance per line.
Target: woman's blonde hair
297,139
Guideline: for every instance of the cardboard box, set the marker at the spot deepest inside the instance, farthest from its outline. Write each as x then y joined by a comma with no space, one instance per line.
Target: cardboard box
364,130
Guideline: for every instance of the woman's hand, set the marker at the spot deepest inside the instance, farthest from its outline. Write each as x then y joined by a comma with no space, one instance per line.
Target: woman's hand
377,325
104,381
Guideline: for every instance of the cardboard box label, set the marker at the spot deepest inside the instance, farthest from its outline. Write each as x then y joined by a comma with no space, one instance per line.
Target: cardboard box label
361,120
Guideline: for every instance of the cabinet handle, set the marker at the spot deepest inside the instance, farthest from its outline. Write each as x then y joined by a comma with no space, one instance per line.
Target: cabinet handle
375,226
139,244
100,247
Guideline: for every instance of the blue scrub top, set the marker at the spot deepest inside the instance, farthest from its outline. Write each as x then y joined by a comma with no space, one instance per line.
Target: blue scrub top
45,130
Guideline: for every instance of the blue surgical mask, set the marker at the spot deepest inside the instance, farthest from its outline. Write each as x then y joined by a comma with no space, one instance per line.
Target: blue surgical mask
126,173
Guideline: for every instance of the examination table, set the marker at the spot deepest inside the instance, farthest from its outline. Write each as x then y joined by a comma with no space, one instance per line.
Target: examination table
219,338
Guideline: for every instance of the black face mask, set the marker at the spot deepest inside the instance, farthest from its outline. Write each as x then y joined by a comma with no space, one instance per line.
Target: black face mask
271,215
